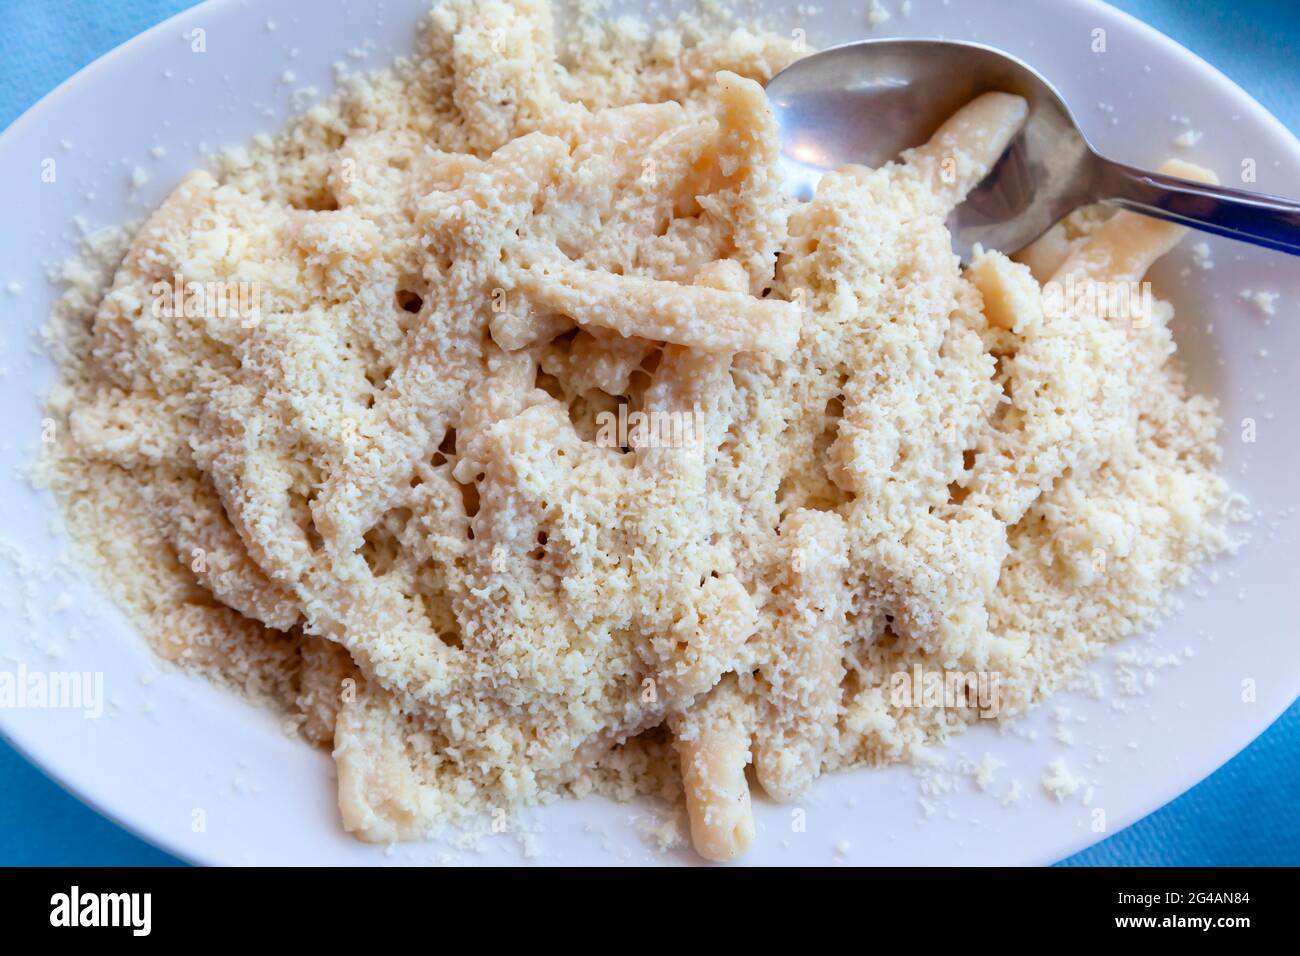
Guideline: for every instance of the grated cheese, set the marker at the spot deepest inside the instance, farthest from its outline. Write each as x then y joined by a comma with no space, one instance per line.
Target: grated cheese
375,498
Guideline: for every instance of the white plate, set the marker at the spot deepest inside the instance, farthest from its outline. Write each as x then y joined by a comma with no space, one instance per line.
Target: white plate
169,746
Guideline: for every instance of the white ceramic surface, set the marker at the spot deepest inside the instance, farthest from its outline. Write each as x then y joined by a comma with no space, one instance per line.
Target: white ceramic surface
168,745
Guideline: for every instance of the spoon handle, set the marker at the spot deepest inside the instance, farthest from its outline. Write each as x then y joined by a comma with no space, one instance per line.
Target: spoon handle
1264,220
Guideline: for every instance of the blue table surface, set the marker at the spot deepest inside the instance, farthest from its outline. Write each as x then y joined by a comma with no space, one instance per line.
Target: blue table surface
1244,814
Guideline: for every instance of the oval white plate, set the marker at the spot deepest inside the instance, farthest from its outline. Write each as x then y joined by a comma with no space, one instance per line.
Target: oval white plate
171,751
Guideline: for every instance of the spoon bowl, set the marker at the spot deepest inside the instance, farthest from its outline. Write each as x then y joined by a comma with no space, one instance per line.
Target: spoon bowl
866,102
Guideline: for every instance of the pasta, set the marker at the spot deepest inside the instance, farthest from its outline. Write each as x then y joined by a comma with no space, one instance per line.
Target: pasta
405,502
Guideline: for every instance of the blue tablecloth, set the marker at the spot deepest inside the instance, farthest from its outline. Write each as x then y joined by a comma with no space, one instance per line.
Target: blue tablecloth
1244,814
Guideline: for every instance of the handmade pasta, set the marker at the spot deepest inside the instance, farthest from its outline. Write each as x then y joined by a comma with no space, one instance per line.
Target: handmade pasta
399,500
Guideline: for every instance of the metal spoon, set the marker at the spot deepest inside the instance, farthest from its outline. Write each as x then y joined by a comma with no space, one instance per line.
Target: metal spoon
866,102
